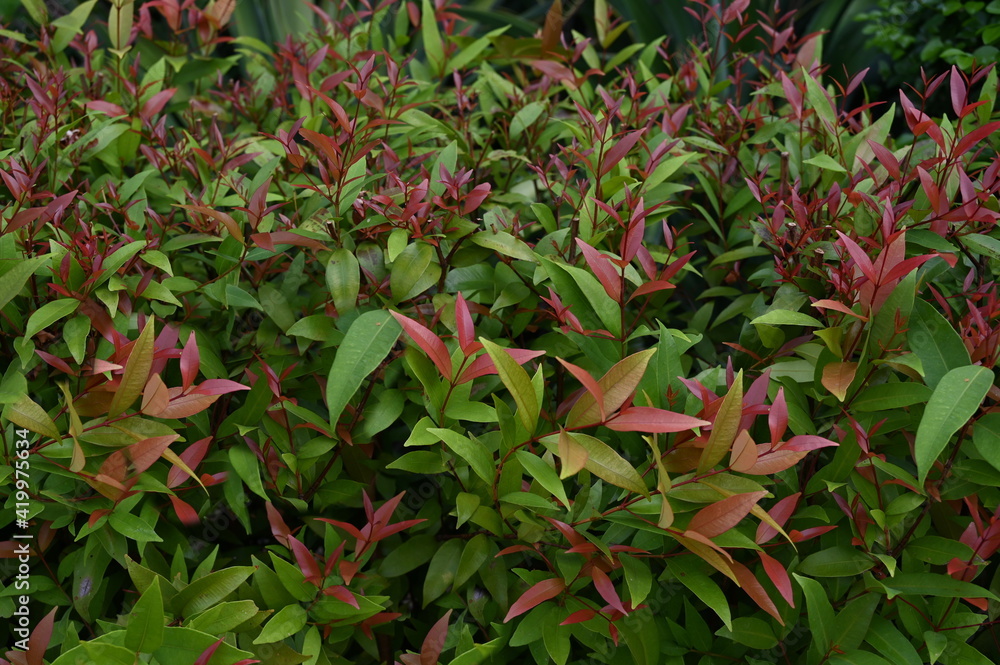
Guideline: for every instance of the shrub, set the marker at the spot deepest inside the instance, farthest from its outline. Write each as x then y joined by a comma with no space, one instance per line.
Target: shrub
390,343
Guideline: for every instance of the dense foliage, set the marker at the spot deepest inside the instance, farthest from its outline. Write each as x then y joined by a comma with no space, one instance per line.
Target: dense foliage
390,344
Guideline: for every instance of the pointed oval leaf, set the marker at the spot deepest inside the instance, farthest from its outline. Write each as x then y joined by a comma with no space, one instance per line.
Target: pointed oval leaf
518,383
366,344
619,382
725,428
717,518
136,372
608,465
536,595
652,420
343,278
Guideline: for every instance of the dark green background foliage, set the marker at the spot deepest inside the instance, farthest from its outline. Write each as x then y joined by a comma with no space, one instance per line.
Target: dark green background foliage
421,338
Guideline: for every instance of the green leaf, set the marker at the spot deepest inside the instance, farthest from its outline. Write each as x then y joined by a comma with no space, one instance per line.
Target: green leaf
688,571
224,617
70,25
937,550
982,244
505,244
933,584
136,373
856,657
935,342
605,463
524,118
471,450
14,274
986,438
26,413
343,278
583,291
366,344
287,622
842,561
442,569
183,646
955,400
544,474
48,314
891,643
637,576
852,622
205,592
819,612
475,554
247,467
133,527
96,652
144,633
784,317
518,383
750,631
888,396
413,271
826,162
433,45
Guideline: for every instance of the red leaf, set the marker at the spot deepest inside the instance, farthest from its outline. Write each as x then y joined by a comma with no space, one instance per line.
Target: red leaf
651,287
192,456
653,420
463,321
778,576
607,590
535,596
279,529
755,590
513,549
807,442
719,517
859,256
307,562
190,361
431,648
430,343
483,365
839,306
185,513
579,616
604,270
958,91
974,137
772,461
589,382
269,240
618,152
777,417
342,593
156,103
106,107
185,406
780,513
40,637
885,158
207,654
218,387
349,528
568,532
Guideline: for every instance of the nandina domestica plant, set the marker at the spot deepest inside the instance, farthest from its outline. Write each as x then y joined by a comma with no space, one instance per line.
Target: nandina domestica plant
408,341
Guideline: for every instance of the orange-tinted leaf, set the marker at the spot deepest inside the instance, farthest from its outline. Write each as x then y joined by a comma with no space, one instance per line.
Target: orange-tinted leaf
837,378
772,461
572,455
778,576
717,518
145,453
431,648
185,406
279,529
429,343
586,614
155,396
40,637
708,551
220,217
653,420
584,377
136,372
838,306
552,30
725,428
535,596
755,590
617,385
185,513
744,454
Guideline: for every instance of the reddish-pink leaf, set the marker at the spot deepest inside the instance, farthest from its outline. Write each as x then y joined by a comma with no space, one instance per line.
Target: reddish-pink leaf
106,107
307,562
958,91
221,217
885,158
777,417
837,378
589,382
431,648
839,306
342,593
463,321
744,453
780,513
719,517
607,590
40,638
192,457
755,590
974,137
652,420
567,531
633,236
185,513
217,387
190,361
513,549
778,576
807,442
279,529
156,103
186,406
483,365
618,151
859,256
429,343
586,614
269,240
603,269
905,267
349,528
651,287
207,654
536,595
